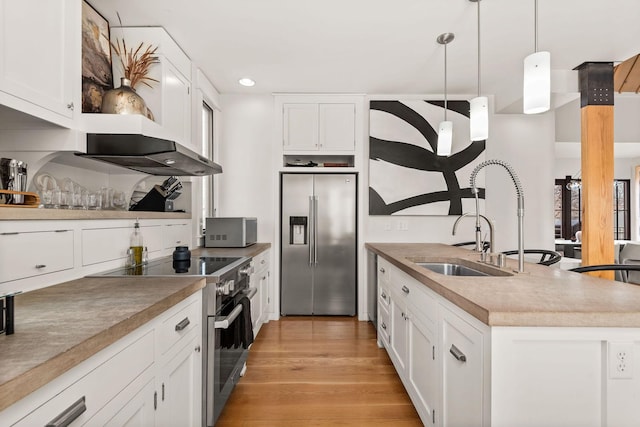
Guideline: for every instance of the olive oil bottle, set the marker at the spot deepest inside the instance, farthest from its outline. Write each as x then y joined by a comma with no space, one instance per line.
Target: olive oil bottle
136,244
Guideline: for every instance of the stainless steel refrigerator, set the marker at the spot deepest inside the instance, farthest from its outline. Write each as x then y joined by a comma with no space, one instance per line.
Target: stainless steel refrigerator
318,261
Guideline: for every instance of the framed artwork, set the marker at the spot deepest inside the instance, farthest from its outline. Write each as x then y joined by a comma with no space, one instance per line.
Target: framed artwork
97,75
406,177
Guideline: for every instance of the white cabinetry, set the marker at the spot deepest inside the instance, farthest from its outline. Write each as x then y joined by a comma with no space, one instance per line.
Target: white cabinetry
425,333
319,126
462,371
128,383
259,280
44,253
170,98
40,58
179,386
34,253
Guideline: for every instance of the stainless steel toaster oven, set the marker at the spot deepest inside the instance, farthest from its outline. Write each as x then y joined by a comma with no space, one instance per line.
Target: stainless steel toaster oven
236,232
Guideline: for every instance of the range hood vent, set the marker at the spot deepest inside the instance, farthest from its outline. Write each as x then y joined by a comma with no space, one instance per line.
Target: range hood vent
149,155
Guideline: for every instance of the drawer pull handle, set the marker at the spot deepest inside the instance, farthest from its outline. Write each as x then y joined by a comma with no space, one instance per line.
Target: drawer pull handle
69,415
457,353
405,289
382,270
183,324
197,349
39,266
384,326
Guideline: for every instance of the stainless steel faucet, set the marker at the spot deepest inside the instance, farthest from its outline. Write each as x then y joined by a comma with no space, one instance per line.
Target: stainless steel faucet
519,194
478,247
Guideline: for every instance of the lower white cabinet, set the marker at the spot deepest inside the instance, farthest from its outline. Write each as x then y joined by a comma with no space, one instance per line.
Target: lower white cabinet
130,383
180,386
462,371
260,281
422,371
438,355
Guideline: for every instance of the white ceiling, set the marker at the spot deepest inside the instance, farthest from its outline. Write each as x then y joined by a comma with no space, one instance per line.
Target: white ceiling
383,46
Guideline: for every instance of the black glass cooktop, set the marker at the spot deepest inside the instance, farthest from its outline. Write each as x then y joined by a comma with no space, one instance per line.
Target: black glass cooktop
195,266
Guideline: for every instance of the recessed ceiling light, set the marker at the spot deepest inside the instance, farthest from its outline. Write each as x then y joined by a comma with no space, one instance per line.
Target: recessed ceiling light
246,81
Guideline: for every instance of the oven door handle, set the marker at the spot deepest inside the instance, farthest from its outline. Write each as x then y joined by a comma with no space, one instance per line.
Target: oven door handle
228,320
251,292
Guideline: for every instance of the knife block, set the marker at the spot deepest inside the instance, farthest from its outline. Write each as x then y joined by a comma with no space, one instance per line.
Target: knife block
153,201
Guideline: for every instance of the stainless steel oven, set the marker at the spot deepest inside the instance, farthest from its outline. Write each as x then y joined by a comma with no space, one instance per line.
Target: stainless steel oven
228,336
228,340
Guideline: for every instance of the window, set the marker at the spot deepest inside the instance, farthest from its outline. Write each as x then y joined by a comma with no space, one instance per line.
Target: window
207,150
568,208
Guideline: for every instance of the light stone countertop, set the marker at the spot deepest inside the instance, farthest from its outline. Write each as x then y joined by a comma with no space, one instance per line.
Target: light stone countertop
541,296
60,326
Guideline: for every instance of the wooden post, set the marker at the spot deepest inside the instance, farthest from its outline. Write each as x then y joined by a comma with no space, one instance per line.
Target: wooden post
596,94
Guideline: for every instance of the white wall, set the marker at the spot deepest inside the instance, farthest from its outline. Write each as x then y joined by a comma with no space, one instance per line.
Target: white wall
245,186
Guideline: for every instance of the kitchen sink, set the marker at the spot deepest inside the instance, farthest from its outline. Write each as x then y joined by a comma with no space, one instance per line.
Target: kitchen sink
450,269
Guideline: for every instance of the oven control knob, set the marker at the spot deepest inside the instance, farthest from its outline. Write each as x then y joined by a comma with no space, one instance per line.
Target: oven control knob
246,270
231,284
224,288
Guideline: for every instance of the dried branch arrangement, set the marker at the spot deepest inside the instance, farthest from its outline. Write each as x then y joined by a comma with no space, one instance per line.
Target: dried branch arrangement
136,63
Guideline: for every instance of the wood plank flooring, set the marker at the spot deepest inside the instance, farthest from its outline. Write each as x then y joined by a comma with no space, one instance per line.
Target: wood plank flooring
318,371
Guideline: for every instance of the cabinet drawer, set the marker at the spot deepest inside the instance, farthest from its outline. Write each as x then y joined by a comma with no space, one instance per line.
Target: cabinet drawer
176,235
384,327
384,270
108,244
35,253
260,262
384,297
178,324
98,386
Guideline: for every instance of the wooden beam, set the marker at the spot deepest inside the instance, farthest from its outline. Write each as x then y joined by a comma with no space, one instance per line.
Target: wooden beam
596,87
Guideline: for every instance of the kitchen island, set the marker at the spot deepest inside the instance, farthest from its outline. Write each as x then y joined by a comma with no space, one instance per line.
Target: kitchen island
543,347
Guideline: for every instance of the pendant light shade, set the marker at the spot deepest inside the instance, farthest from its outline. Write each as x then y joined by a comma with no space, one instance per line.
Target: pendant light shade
479,106
479,118
445,130
445,138
536,93
537,83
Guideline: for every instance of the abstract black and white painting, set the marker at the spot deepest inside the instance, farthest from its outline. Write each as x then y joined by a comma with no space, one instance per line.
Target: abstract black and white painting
406,177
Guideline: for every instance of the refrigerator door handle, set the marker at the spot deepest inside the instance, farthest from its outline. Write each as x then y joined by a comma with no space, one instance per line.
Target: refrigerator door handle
315,230
312,226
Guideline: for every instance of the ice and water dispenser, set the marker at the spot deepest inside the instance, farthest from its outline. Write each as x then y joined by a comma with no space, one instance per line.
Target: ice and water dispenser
298,230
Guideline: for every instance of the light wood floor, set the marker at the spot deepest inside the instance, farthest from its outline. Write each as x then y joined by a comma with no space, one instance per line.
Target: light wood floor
318,371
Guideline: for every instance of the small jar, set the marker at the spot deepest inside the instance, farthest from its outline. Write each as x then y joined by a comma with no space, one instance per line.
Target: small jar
182,253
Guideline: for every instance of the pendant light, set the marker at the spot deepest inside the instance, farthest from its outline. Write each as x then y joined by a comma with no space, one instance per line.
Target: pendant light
479,106
537,77
445,130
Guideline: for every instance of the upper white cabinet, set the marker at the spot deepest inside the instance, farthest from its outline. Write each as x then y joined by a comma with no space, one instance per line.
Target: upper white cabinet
40,56
169,99
319,126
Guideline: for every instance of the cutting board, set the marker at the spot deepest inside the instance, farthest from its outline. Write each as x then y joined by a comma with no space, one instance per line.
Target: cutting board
31,200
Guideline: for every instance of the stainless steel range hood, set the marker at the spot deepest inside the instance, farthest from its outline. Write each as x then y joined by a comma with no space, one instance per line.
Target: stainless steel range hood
148,154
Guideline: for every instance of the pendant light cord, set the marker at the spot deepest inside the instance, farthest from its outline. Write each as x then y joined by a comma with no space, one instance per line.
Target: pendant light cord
479,80
445,82
535,25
